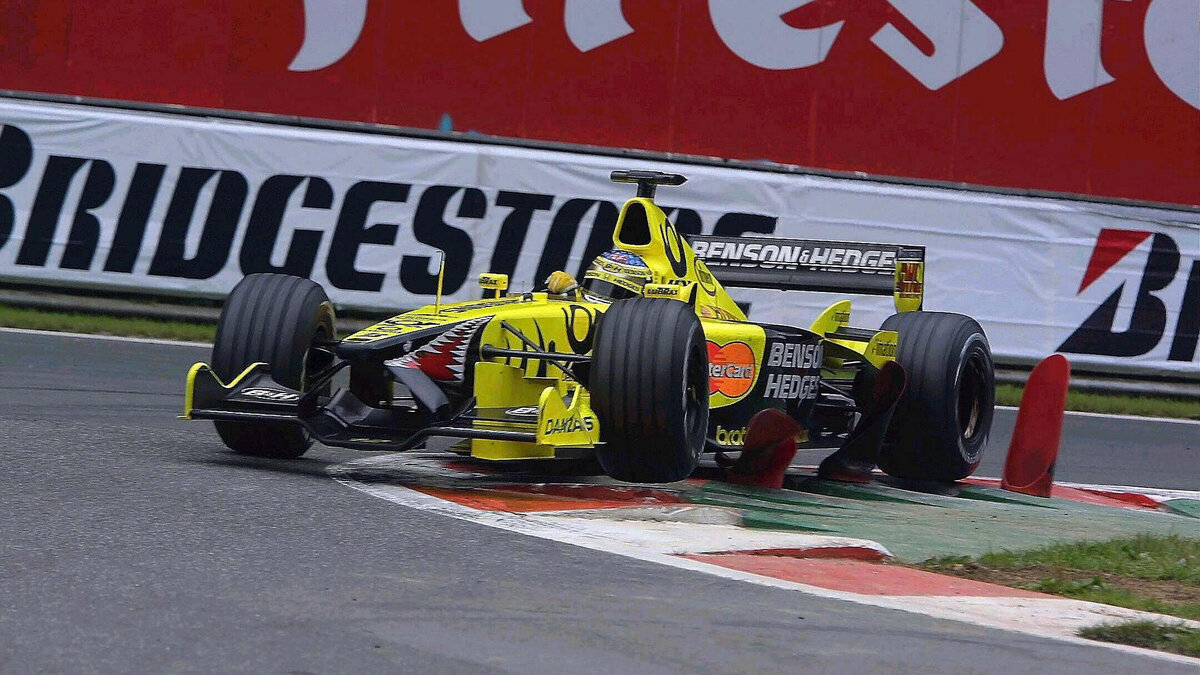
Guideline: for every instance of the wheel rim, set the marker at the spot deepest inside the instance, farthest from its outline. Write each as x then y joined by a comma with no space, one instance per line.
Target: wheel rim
971,395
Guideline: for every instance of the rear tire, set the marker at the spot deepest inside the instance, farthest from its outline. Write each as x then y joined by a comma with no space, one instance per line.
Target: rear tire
272,318
942,422
649,388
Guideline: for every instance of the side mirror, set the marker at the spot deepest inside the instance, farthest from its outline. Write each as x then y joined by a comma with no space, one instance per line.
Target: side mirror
494,282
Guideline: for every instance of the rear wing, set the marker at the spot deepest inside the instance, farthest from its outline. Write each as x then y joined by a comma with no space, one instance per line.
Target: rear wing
815,265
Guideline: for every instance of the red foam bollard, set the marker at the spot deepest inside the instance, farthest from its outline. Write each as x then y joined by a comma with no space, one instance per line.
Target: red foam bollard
1029,465
768,451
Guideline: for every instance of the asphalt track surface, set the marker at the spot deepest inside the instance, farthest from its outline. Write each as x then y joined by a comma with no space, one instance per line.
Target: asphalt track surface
134,542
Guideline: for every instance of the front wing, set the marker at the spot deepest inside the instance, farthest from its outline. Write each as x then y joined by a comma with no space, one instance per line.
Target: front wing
560,424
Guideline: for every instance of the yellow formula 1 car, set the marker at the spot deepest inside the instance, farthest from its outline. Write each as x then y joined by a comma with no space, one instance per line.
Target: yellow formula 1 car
647,363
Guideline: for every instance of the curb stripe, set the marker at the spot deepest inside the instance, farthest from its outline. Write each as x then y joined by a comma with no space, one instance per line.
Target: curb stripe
855,576
1050,618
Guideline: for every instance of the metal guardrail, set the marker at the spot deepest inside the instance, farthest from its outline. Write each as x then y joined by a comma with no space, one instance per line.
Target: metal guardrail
141,309
116,305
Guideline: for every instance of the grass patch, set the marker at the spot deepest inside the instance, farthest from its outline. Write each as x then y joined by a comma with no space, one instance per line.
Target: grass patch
1151,573
1145,556
1147,406
37,319
1175,638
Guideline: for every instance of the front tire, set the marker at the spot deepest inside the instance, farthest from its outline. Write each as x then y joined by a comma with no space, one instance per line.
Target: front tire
942,422
649,388
272,318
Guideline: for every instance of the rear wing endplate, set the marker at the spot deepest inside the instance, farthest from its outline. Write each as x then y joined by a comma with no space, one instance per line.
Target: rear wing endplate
816,265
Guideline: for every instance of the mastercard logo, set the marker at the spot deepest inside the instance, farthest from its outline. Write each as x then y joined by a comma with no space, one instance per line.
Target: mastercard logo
731,369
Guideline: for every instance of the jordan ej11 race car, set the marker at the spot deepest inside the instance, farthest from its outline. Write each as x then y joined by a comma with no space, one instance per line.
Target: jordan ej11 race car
645,365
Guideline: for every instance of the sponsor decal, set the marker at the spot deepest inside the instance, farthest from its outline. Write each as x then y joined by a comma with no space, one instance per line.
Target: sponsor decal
704,277
759,35
791,254
885,349
269,394
731,369
789,356
219,224
796,356
909,283
791,386
523,411
163,224
566,425
497,282
615,268
731,436
662,290
1147,323
905,52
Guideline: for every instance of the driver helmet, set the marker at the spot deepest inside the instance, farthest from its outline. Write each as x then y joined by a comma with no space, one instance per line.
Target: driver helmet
615,275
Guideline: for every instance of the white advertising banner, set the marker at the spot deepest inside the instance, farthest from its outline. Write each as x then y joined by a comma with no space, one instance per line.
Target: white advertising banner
185,205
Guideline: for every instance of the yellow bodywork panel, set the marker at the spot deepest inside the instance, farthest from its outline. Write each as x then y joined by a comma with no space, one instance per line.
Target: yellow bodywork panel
482,448
833,318
430,316
501,388
553,327
880,349
644,229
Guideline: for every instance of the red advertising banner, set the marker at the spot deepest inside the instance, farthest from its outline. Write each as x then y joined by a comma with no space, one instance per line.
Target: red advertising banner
1095,97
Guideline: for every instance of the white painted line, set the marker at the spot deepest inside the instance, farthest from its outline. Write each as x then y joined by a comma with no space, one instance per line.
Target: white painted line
114,338
1113,416
1052,618
1161,494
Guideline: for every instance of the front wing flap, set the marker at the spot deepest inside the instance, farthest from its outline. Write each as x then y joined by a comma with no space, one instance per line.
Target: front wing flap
252,393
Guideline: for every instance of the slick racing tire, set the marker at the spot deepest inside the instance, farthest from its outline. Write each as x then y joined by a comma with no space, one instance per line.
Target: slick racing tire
649,388
941,423
272,318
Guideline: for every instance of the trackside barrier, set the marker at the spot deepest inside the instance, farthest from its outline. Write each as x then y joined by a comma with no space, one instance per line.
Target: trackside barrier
111,199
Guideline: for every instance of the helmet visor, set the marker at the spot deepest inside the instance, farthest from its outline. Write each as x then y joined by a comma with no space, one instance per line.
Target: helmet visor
610,287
